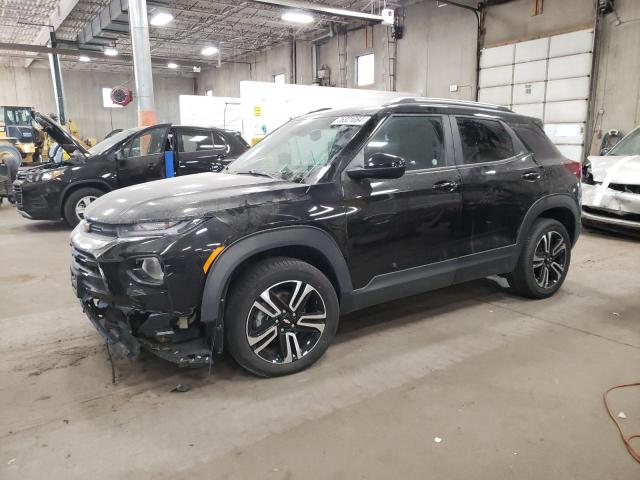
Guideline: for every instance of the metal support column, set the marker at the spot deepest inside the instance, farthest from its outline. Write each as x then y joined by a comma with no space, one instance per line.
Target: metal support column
142,62
56,77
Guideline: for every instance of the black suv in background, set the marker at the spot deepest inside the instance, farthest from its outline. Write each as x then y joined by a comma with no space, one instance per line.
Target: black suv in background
63,190
333,212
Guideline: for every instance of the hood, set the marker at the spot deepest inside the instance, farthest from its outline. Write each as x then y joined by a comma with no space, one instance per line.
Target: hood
59,134
191,196
614,169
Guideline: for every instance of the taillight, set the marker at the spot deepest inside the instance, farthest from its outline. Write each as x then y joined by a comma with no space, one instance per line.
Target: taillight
575,168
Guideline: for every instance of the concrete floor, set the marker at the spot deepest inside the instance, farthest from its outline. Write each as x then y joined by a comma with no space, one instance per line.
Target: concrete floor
512,387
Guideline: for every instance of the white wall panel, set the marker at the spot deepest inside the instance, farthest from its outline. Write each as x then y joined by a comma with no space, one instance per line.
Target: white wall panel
572,152
571,43
568,89
496,95
532,50
530,72
497,56
565,133
496,76
574,111
571,66
528,93
535,110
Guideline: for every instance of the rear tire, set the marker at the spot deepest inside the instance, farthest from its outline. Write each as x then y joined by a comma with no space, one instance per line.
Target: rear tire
281,316
544,261
77,201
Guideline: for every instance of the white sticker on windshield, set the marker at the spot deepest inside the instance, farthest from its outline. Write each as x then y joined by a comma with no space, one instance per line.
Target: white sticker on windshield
354,120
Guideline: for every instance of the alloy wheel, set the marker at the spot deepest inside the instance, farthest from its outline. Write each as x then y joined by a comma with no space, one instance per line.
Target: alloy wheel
82,204
549,259
286,322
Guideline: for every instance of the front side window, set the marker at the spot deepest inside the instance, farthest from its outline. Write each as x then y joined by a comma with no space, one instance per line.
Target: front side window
419,140
484,140
300,150
629,145
149,143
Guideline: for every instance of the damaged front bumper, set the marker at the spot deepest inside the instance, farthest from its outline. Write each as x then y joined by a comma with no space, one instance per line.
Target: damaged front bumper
133,314
609,207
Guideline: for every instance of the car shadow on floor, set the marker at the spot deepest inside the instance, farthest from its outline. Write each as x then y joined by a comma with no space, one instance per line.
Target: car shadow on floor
390,315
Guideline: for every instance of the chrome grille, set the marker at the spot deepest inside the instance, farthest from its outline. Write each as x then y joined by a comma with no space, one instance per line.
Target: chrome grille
17,191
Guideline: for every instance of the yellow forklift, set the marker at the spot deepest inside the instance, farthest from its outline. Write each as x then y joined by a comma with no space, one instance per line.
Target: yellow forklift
17,130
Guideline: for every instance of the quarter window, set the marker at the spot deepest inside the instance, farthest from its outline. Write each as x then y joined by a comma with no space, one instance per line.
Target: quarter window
419,140
484,140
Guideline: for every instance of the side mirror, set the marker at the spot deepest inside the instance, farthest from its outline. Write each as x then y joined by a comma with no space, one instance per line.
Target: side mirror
119,156
379,165
605,151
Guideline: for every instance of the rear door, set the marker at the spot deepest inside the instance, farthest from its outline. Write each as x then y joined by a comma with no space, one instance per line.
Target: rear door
200,150
500,182
142,158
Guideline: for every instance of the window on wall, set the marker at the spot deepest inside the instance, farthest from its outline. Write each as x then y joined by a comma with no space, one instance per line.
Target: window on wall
279,78
365,70
106,99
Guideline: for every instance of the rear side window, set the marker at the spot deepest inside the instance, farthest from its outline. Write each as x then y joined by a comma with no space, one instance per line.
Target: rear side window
194,141
419,140
484,140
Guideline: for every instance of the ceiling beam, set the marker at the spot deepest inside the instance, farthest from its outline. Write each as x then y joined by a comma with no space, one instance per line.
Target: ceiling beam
326,9
58,16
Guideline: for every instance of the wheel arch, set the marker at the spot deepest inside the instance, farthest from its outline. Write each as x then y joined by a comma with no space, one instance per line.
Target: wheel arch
561,207
310,244
72,187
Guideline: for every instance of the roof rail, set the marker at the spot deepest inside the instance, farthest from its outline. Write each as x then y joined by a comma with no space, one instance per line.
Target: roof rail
447,101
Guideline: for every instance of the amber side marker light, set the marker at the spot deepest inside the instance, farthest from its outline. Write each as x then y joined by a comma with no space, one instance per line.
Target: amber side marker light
212,256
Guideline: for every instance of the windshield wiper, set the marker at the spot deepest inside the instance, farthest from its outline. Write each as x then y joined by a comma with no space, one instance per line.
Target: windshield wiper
255,173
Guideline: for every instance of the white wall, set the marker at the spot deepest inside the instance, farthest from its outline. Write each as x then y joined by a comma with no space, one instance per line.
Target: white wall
33,87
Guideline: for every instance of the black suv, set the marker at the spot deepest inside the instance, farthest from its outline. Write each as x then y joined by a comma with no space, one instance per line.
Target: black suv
333,212
63,190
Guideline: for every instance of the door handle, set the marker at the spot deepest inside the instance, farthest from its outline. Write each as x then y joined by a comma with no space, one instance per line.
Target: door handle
531,176
445,186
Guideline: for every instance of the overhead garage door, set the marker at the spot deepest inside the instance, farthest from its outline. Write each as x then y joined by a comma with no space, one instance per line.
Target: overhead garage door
547,78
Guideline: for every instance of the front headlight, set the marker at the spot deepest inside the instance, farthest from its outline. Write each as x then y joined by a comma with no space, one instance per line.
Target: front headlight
52,175
157,229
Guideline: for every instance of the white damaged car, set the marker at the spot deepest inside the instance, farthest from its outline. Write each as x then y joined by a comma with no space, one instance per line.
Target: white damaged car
611,187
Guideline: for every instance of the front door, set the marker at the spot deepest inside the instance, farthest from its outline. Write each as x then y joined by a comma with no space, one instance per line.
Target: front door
500,182
200,150
142,158
397,224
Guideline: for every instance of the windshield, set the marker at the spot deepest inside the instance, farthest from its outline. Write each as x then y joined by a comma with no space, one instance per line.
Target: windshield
300,150
17,116
629,145
109,142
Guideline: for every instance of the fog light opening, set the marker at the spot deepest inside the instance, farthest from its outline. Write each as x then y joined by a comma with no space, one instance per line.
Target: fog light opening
152,268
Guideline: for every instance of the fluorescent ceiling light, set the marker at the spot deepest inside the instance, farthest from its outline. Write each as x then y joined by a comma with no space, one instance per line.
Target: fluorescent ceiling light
172,65
297,17
208,51
160,19
84,58
110,52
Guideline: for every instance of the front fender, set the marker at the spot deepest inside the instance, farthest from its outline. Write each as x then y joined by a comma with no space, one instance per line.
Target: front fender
217,282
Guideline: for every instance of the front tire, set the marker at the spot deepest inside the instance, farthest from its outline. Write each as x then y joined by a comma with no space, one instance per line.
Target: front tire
544,261
281,316
77,202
